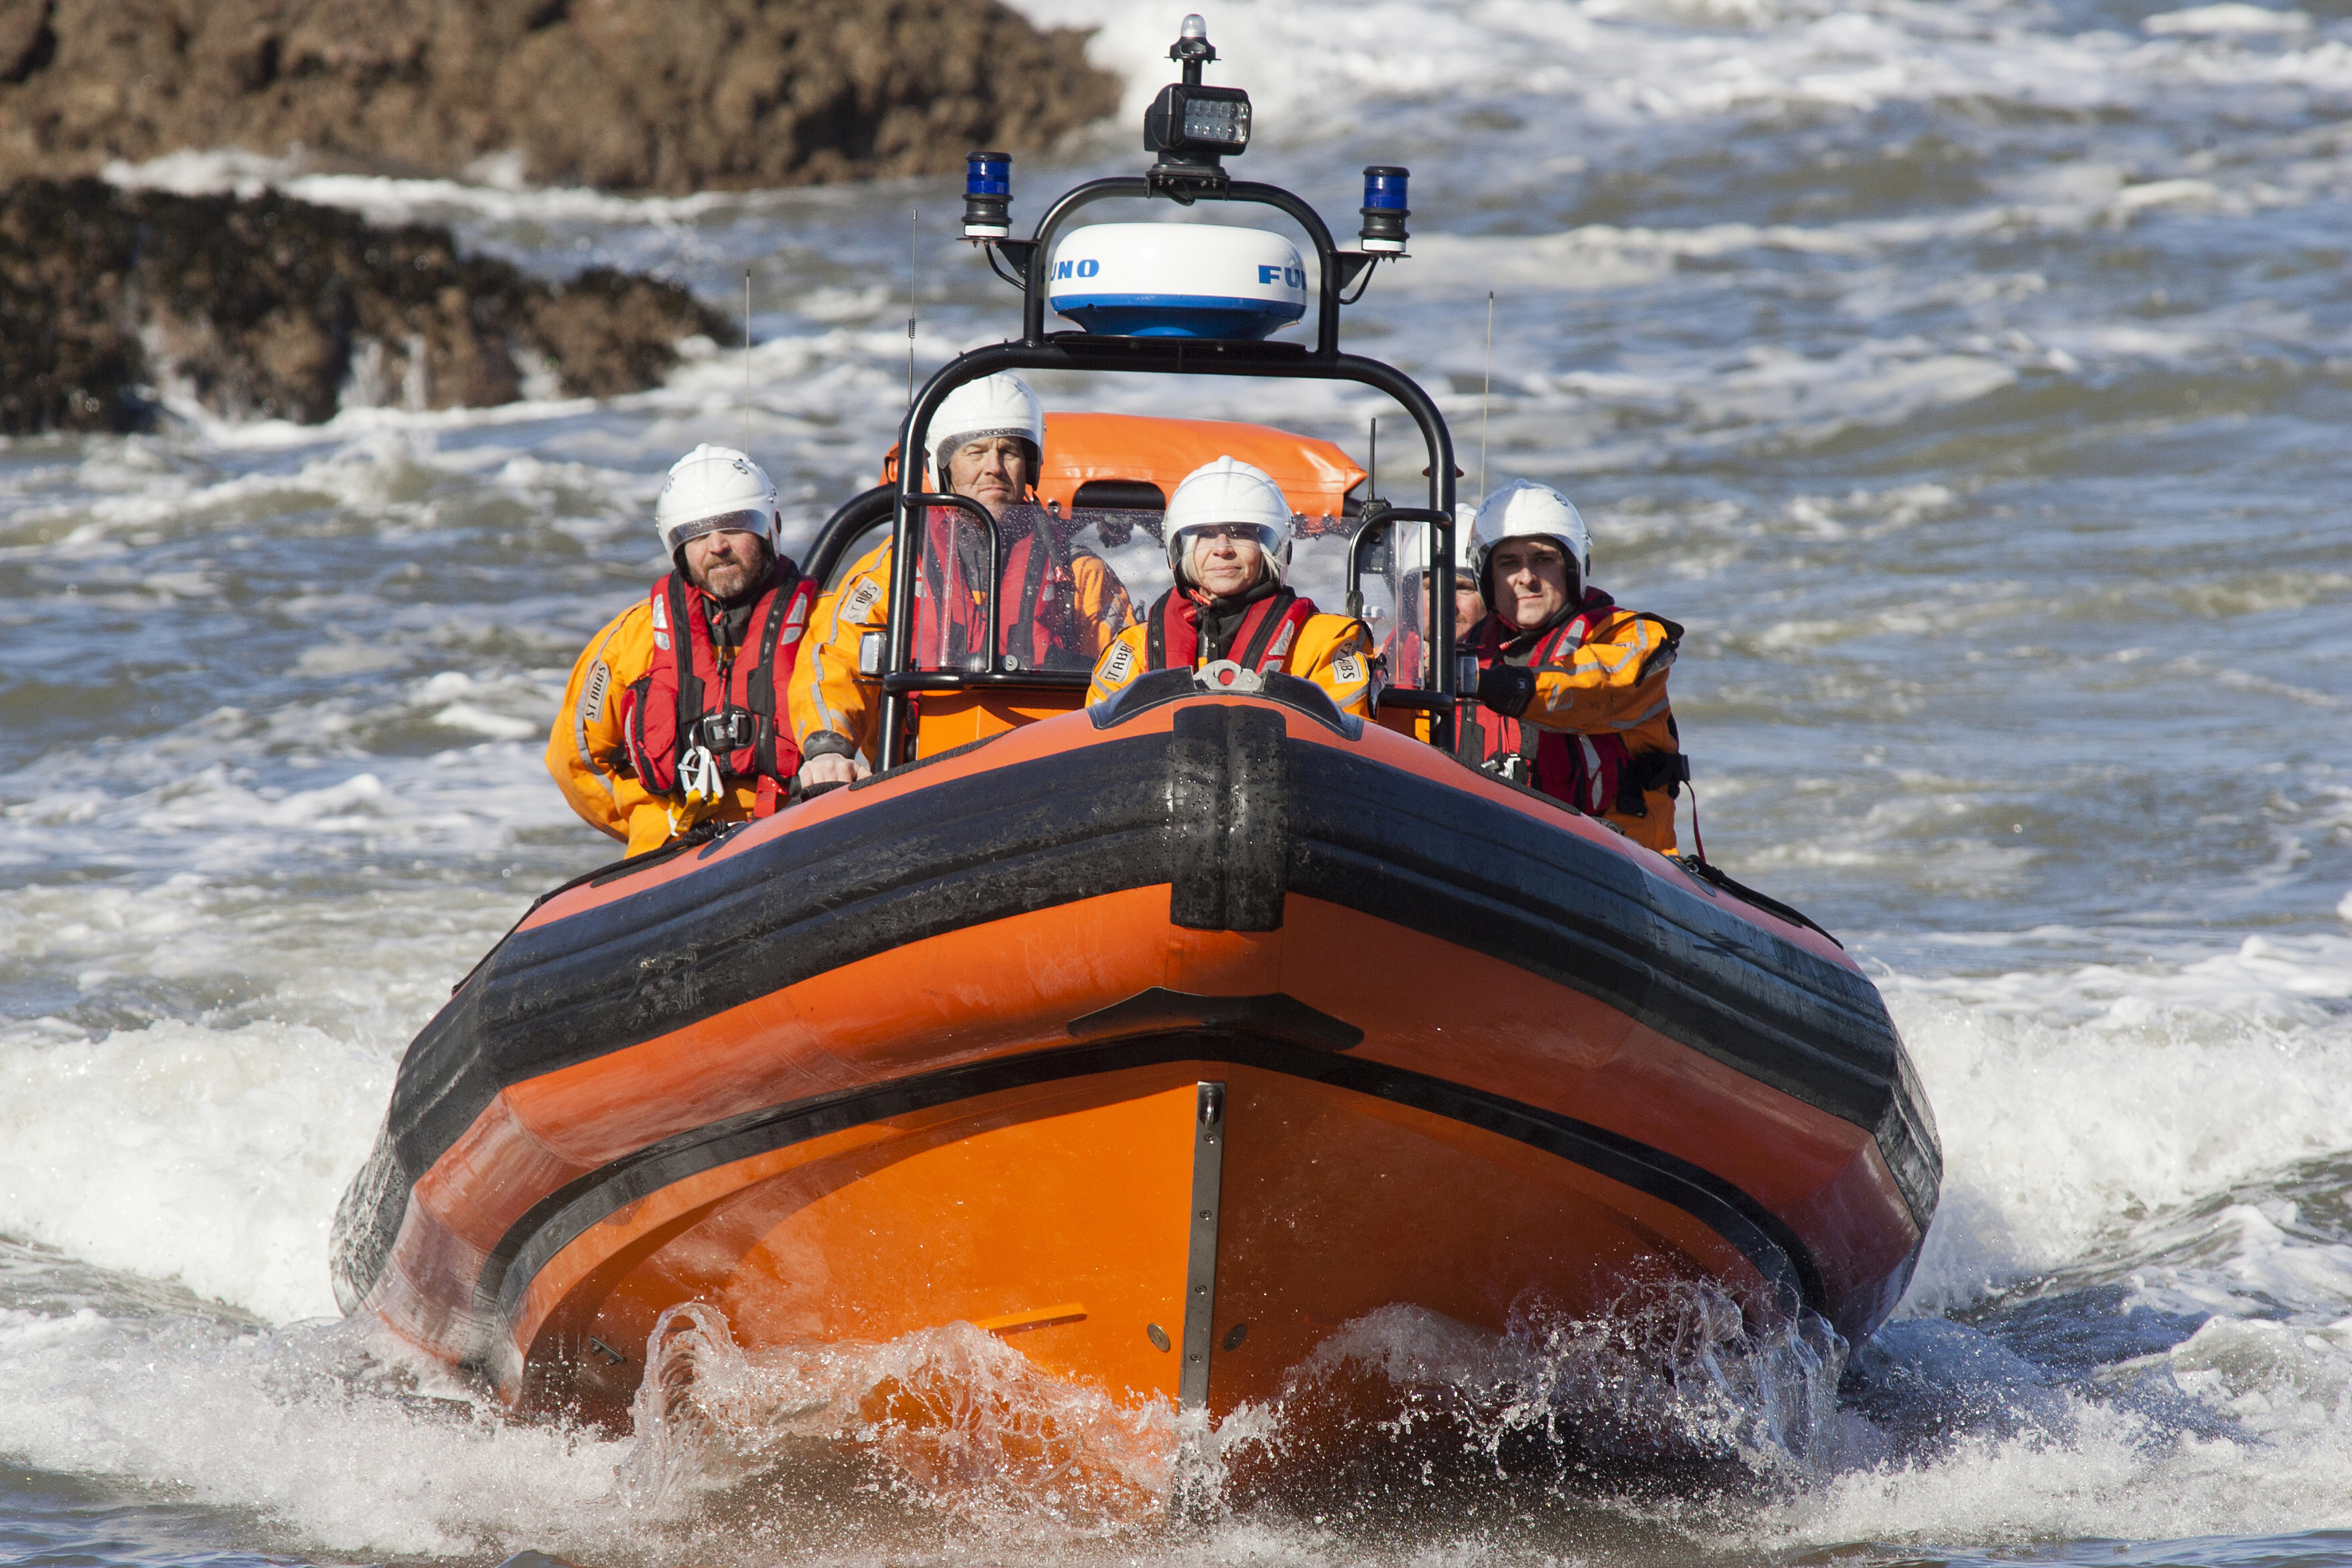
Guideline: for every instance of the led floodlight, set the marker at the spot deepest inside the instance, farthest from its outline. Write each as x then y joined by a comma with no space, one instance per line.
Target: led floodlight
1197,124
1190,124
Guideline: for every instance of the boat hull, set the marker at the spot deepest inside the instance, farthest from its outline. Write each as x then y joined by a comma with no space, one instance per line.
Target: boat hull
1212,1021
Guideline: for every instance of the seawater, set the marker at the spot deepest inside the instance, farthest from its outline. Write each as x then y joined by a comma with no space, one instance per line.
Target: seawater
1972,380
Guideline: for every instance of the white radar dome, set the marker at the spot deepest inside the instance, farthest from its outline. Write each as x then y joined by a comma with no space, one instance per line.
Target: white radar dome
1177,280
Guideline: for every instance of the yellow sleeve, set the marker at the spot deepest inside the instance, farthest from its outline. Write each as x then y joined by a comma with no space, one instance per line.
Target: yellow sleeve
1104,609
1337,654
1614,682
584,751
828,695
651,826
1119,663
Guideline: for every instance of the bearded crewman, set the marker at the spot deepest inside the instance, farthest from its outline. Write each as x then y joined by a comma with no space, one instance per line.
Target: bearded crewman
1227,529
1058,606
672,714
1571,686
709,492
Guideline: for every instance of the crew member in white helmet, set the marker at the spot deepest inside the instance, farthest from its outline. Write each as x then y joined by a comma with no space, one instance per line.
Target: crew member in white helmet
1228,532
1572,686
1058,606
673,716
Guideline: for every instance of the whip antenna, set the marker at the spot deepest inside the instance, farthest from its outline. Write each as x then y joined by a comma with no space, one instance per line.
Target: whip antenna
1372,463
1485,393
747,362
910,309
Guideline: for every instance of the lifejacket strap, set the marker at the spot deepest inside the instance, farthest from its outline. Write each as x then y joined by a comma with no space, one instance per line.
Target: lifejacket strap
1258,624
673,591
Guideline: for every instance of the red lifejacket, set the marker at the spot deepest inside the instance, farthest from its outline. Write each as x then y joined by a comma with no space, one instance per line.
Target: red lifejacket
1036,610
741,692
1594,773
1403,659
1409,643
1269,630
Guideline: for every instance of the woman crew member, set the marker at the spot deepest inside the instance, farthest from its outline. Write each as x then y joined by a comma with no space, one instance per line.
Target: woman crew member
1228,532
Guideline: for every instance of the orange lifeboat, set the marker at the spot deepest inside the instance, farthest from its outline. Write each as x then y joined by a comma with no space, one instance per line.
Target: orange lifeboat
1163,1039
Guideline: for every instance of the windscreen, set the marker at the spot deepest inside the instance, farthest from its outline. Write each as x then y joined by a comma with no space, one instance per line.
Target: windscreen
1066,584
1395,587
1058,587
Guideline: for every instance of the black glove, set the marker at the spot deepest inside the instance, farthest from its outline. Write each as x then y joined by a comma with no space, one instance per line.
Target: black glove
826,743
1507,688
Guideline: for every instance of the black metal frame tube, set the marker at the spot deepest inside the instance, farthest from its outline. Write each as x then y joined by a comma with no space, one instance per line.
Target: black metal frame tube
850,521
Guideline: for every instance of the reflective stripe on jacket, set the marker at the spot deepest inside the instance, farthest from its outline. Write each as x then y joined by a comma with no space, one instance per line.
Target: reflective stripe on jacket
587,753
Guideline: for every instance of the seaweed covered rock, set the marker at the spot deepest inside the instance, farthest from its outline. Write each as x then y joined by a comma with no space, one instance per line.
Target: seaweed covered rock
275,307
658,95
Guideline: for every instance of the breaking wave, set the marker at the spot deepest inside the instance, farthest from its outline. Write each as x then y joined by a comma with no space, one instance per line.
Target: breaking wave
1673,1382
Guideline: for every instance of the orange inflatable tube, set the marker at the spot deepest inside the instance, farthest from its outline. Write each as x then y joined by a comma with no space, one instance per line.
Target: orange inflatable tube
1137,1036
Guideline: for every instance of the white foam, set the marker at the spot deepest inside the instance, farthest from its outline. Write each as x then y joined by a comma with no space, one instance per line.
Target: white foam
1319,68
1624,63
1664,1371
962,1416
295,1426
2243,1430
210,1156
2175,1080
496,192
2229,19
194,173
2109,1474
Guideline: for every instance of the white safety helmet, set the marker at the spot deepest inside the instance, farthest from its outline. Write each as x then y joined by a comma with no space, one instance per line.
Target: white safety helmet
1412,542
1522,509
1000,404
713,488
1228,493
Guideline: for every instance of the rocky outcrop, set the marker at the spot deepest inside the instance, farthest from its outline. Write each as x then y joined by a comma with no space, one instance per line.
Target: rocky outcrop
274,307
640,95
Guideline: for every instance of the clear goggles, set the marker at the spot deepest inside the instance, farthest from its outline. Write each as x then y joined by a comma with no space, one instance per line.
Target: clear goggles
1265,535
725,522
